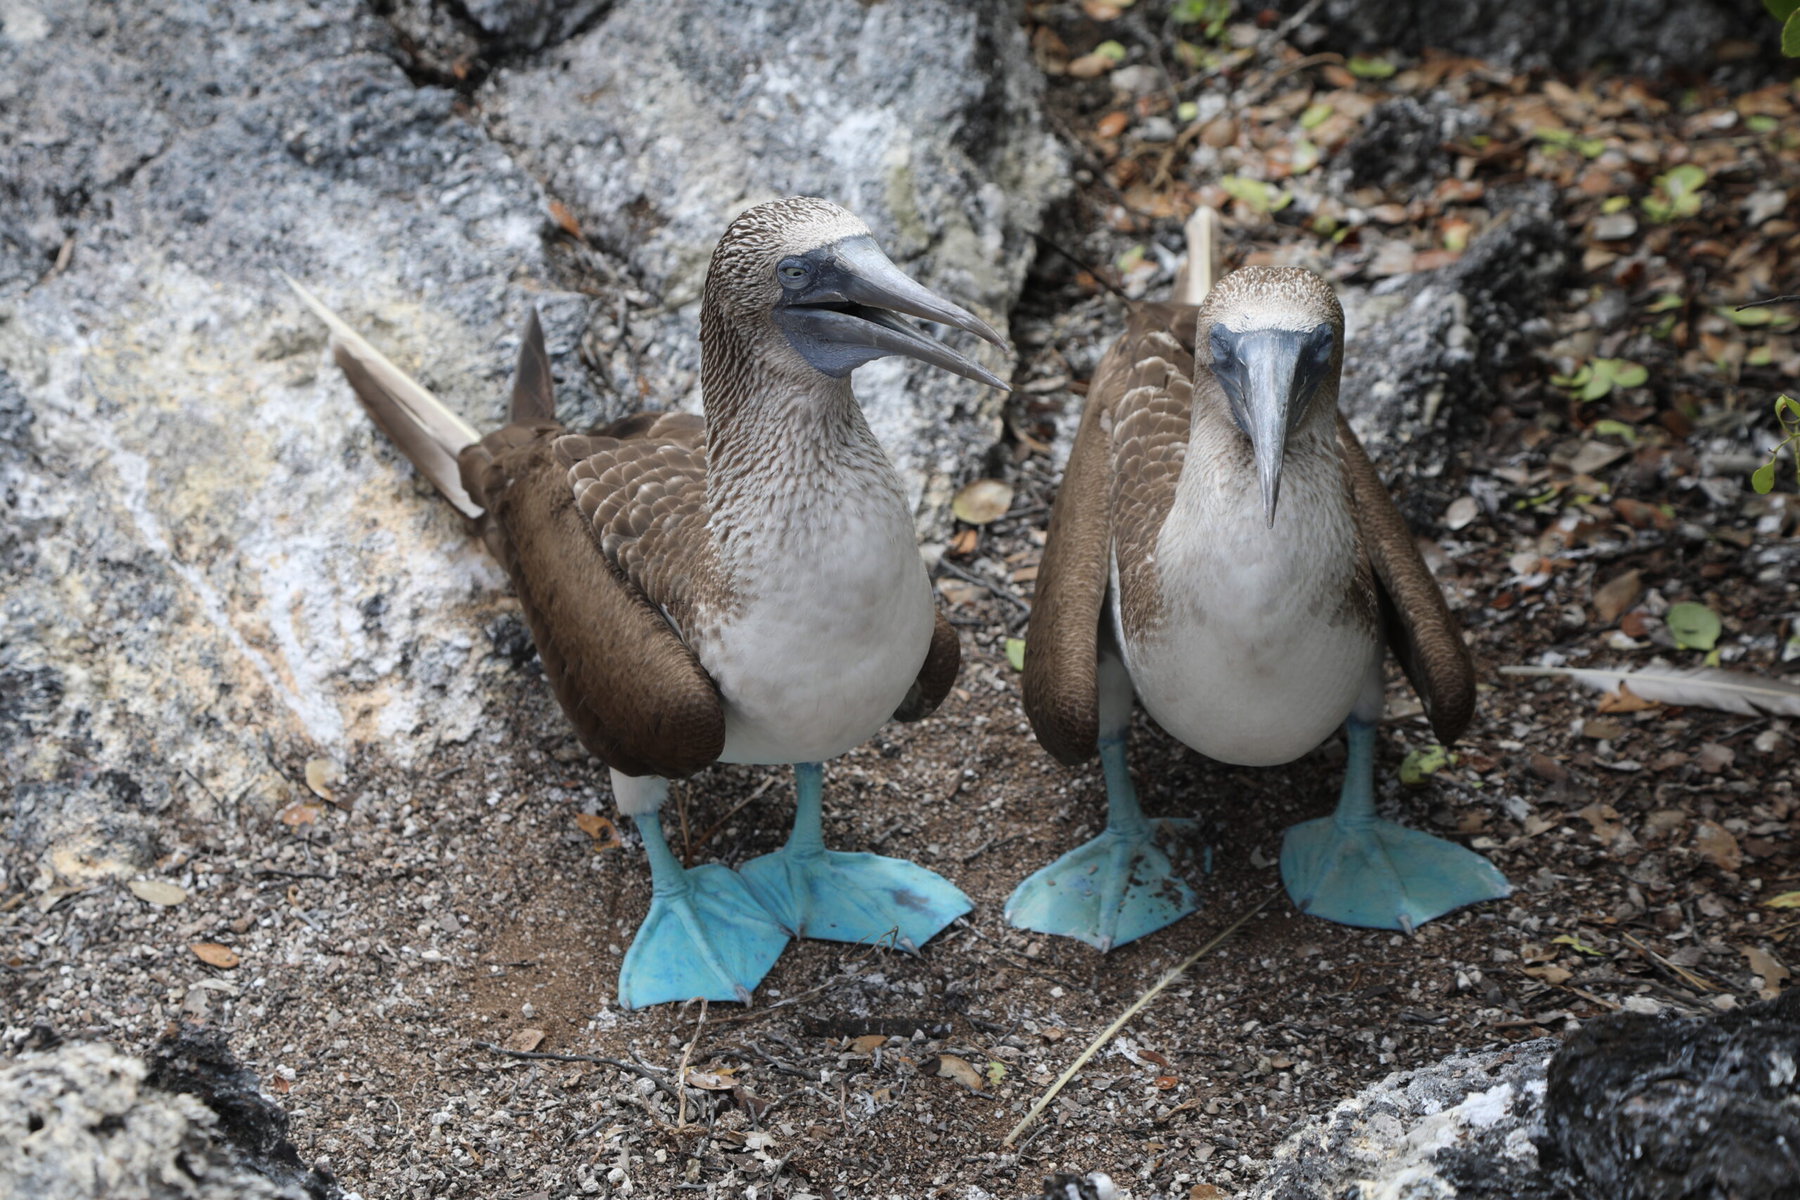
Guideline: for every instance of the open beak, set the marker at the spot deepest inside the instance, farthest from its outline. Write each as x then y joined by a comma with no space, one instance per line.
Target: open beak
1270,377
846,315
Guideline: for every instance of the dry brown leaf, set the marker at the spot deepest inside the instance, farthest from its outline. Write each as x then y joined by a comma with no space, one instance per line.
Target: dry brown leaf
711,1081
868,1043
301,812
565,220
1773,973
525,1040
1090,66
322,775
1717,846
951,1067
1617,594
157,892
1112,124
1624,701
982,501
601,829
1605,820
215,955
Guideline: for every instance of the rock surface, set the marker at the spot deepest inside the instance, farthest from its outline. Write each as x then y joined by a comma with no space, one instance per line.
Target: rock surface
1662,1107
1464,1127
85,1122
216,570
1644,36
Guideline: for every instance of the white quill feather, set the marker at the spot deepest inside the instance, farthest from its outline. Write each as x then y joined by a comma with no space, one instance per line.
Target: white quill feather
1702,687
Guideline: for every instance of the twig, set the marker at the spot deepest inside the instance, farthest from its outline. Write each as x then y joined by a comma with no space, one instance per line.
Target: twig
944,564
1112,1030
1099,276
1686,975
635,1068
681,1071
1770,300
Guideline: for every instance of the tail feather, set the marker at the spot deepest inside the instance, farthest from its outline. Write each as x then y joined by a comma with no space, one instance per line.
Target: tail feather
1202,266
429,434
533,390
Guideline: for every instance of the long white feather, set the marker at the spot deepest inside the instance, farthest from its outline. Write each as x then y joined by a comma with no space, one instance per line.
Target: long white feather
1700,687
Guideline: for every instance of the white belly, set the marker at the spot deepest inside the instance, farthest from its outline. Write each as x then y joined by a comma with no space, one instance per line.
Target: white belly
825,653
1254,658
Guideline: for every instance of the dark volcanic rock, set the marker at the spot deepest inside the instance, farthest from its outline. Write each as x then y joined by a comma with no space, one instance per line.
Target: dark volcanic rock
1645,36
1424,354
1671,1108
1401,144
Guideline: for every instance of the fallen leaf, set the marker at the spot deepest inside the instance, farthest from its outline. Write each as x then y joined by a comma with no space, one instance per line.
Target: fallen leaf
601,829
711,1081
951,1067
1769,967
1713,758
996,1071
1624,701
1420,765
1015,653
1605,820
1717,846
215,955
1785,900
321,776
157,892
565,220
301,812
1617,594
982,501
1693,626
1461,512
868,1043
1112,124
525,1041
1580,947
1551,974
1205,1191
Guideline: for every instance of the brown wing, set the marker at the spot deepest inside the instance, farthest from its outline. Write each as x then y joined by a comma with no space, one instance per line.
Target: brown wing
942,662
1062,639
1418,625
637,696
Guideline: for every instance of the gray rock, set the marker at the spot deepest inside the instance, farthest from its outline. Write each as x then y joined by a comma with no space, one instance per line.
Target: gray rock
1400,145
1644,36
1463,1127
1423,353
670,116
84,1122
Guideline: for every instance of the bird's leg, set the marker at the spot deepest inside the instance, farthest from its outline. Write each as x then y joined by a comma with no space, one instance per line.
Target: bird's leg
1121,885
842,896
705,934
1357,869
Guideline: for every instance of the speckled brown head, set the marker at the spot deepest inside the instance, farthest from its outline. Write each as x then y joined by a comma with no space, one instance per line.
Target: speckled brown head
800,285
1274,338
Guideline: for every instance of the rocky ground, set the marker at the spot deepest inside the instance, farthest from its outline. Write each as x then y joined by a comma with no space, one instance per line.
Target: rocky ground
415,950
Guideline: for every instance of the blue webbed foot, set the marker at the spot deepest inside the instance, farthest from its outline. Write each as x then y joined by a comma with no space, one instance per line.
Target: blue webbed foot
704,936
1357,869
848,897
1112,890
1119,886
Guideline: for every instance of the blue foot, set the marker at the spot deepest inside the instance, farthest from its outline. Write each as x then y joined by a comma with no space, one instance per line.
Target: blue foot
705,934
848,897
1357,869
1119,886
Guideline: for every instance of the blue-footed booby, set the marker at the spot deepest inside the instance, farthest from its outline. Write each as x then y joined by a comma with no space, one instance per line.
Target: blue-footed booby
744,587
1223,550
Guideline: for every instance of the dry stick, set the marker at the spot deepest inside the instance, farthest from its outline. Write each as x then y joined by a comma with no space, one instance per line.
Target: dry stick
681,1071
1770,300
1125,1017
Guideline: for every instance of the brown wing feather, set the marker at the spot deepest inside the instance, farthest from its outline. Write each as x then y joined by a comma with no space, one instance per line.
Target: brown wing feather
1419,628
1062,639
533,388
637,696
942,662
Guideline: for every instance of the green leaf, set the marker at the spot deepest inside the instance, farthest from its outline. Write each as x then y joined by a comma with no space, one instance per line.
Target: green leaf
1317,114
1787,407
1115,52
1750,318
1761,123
1626,373
1263,197
1420,765
1618,429
996,1071
1187,111
1785,900
1781,10
1015,653
1569,939
1763,478
1305,157
1790,36
1368,67
1613,204
1664,303
1693,626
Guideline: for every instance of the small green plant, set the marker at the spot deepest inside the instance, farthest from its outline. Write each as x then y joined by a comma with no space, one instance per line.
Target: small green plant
1787,415
1598,378
1788,13
1368,67
1563,139
1678,192
1263,197
1210,15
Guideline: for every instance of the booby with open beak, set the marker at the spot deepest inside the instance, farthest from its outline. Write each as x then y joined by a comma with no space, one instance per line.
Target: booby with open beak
1223,550
743,587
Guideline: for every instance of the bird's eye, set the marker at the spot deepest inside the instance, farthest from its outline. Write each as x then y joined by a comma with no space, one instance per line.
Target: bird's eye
793,271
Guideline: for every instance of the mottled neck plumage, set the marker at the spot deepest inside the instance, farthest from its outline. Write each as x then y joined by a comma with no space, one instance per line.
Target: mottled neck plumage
787,447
